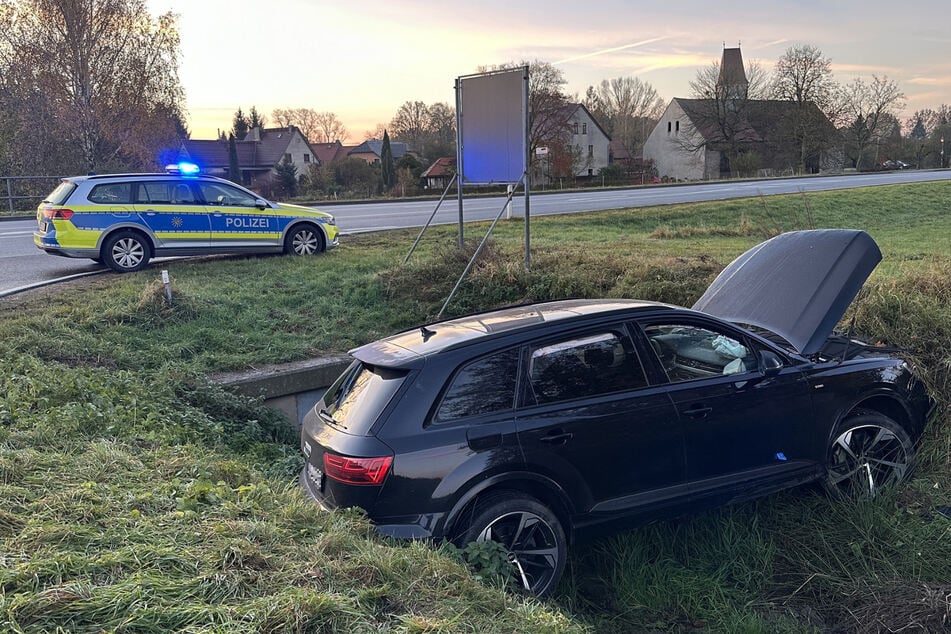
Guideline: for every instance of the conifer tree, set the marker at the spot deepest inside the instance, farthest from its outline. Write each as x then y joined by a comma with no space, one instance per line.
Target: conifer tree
387,163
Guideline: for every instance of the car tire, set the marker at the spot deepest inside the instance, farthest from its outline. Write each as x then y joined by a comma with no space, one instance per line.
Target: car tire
530,533
305,239
126,251
869,452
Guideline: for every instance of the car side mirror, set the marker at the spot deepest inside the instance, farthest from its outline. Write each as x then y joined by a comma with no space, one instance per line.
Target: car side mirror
770,363
260,203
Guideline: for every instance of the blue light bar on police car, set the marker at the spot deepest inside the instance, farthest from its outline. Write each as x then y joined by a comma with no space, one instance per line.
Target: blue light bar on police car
183,168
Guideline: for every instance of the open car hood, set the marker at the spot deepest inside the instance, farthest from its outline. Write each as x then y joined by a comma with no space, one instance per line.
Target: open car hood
797,285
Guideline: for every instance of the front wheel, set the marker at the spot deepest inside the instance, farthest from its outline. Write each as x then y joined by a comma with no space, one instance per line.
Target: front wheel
304,240
126,251
530,533
869,452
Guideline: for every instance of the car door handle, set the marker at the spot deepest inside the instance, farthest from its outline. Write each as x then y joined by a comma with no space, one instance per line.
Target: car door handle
557,437
698,411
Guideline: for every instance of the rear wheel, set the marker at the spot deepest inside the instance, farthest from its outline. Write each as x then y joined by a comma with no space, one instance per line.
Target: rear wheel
126,251
304,240
529,532
869,452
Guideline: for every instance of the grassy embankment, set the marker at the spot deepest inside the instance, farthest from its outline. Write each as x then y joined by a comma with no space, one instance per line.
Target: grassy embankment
133,496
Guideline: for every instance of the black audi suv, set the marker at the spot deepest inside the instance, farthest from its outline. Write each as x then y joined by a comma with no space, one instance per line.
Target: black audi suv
531,424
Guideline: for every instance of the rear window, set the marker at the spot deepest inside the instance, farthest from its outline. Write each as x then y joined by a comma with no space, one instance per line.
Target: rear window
61,193
357,398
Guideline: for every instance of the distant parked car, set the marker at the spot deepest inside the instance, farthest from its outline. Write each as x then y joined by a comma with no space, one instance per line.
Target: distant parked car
124,220
529,425
893,164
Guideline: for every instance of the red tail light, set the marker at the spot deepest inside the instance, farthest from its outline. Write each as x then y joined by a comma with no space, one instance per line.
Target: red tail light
363,471
61,214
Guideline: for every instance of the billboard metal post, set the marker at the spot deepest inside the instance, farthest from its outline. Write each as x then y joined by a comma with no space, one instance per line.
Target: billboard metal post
459,166
527,177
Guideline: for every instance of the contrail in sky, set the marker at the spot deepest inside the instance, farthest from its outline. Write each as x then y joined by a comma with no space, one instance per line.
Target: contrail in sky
610,50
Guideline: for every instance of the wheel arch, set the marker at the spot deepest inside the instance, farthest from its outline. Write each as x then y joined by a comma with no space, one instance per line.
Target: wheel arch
298,222
144,232
543,489
888,404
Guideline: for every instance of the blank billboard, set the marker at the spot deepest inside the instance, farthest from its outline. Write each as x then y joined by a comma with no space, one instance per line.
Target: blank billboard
492,126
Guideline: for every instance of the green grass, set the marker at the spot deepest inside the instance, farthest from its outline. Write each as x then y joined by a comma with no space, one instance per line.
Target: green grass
134,496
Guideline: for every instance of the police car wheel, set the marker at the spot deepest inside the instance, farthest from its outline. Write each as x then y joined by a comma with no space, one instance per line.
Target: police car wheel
304,240
126,251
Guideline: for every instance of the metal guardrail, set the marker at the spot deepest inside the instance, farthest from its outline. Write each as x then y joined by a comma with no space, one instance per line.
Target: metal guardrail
26,188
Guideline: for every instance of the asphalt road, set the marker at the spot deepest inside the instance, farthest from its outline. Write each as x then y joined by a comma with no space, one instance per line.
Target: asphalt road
22,264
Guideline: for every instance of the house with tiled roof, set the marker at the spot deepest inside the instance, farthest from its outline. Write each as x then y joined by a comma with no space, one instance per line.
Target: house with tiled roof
259,153
328,152
438,175
371,151
695,138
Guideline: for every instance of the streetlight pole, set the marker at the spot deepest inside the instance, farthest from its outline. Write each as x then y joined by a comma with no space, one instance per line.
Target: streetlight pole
942,151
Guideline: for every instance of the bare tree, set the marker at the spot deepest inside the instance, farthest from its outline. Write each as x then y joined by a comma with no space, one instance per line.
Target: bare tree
803,75
376,134
329,129
549,120
307,120
872,107
628,108
106,72
410,124
724,103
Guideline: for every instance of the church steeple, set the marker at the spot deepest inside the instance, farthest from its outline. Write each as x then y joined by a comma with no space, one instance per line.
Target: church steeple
732,80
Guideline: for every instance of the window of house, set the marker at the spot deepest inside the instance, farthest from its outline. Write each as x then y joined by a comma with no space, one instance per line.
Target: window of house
598,363
483,386
575,127
287,157
668,127
584,128
307,158
677,126
590,151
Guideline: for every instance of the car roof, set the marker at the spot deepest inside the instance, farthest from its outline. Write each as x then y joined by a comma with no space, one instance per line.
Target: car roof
150,175
409,347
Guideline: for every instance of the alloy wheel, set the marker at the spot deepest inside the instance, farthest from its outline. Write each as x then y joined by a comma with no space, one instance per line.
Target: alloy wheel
531,544
128,253
866,458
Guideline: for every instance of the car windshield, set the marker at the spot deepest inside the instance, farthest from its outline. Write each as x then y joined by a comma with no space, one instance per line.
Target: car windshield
61,193
354,402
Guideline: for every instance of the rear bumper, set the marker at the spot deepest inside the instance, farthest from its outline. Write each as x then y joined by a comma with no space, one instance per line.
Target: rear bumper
54,248
412,527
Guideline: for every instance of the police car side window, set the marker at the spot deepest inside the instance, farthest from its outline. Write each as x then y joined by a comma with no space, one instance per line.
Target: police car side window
157,193
110,193
219,194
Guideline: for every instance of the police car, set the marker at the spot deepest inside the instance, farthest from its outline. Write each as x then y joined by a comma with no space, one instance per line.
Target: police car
124,220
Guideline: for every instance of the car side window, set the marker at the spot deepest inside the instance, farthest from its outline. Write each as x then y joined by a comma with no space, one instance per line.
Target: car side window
156,192
689,352
483,386
225,196
111,193
589,365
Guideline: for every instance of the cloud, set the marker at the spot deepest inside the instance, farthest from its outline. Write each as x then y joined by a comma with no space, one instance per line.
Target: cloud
609,50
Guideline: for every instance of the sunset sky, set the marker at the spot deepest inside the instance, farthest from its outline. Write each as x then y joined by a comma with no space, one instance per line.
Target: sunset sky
362,59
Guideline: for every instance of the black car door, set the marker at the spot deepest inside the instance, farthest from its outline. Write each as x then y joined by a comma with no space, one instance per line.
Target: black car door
740,424
589,420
